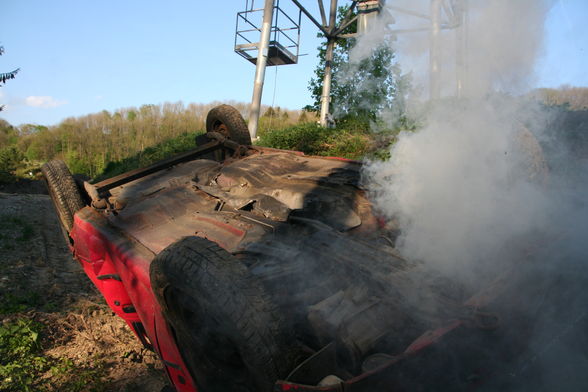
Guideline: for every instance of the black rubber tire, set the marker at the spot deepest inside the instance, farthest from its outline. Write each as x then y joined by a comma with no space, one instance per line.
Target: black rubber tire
229,334
63,191
227,121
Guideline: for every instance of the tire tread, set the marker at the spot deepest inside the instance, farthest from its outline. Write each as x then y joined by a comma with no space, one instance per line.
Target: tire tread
235,123
63,191
192,263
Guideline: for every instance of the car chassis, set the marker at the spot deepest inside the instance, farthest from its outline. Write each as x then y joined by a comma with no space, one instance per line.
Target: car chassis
267,210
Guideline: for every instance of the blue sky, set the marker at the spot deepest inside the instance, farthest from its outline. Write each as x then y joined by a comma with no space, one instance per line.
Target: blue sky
566,45
80,57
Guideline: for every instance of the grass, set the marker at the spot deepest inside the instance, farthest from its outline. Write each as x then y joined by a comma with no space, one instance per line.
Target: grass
71,377
309,138
23,364
20,361
347,141
150,155
350,140
23,367
13,229
313,139
19,303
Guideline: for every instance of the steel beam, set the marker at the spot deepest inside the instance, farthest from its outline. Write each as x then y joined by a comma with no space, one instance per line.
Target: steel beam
132,175
268,14
326,94
312,19
322,11
434,81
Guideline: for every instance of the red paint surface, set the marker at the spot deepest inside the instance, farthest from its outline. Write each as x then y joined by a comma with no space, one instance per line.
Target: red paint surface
224,226
342,159
102,251
431,337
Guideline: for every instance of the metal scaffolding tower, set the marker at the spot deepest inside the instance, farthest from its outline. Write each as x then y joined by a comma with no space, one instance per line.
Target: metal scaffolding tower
284,34
278,44
275,41
443,15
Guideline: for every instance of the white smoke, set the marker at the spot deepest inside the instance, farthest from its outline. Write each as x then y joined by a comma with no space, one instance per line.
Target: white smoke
470,189
503,39
464,185
460,187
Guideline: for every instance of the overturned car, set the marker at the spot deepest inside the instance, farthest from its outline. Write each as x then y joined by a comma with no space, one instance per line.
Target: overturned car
253,269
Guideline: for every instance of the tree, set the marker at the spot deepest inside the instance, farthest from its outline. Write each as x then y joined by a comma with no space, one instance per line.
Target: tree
10,158
8,134
303,117
358,89
6,76
575,97
270,112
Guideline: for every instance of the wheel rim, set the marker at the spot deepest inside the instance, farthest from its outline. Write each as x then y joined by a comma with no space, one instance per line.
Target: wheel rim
221,128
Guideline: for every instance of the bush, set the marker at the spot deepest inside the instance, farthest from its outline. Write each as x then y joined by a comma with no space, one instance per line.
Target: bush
313,139
305,138
10,159
150,155
355,122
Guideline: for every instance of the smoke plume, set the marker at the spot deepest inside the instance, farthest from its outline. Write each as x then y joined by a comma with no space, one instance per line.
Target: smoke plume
461,187
489,184
502,39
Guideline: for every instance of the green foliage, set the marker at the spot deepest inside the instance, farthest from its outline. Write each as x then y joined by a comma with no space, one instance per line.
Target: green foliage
4,76
366,88
303,118
131,115
38,143
313,139
348,140
77,163
356,122
75,378
8,134
10,159
23,365
305,138
12,303
20,362
348,144
271,112
89,143
151,155
358,89
566,97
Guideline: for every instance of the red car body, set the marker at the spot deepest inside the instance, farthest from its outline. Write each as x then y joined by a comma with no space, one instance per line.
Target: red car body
120,270
119,264
256,192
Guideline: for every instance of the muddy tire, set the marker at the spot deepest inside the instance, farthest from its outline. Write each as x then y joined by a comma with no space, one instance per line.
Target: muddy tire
228,332
63,191
227,121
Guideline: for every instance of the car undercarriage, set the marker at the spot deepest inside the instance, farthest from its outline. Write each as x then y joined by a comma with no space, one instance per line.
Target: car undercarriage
253,269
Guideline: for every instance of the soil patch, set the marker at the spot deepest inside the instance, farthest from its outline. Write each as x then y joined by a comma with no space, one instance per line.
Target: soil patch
40,281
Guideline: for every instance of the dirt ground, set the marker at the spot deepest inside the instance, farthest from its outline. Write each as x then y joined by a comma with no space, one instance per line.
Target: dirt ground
40,279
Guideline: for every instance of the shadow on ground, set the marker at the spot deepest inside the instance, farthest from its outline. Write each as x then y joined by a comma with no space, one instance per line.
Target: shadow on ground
81,345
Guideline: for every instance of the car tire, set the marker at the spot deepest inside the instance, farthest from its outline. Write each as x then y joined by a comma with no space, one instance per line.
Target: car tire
227,121
228,332
63,191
